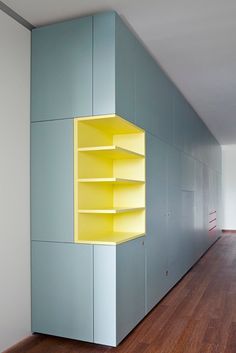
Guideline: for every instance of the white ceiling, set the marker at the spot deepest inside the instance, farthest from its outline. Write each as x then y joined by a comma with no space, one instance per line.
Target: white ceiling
193,40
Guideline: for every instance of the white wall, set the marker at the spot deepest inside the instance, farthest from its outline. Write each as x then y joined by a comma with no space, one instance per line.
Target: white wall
229,186
14,181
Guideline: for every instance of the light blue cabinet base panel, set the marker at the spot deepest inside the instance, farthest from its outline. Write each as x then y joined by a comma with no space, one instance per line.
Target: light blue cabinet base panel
187,222
62,290
176,251
119,290
130,277
52,181
105,295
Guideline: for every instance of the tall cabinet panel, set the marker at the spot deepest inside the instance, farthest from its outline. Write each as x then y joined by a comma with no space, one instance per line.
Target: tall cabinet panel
130,286
219,203
52,181
105,294
184,131
153,96
62,289
206,196
199,210
62,70
145,97
179,113
125,71
174,234
187,210
104,63
187,220
119,290
156,242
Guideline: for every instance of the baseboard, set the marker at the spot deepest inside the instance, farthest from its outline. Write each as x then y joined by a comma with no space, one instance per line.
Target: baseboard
233,231
26,344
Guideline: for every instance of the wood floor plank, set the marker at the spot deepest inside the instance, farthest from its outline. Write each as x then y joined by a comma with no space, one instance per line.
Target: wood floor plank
231,341
208,348
172,330
195,337
185,337
197,316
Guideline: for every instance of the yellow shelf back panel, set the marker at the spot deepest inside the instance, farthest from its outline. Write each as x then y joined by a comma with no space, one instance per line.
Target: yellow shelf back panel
132,142
129,222
129,168
126,194
94,196
91,166
109,180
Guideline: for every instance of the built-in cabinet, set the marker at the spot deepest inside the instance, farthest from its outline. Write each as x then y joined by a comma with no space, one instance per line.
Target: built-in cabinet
125,181
88,222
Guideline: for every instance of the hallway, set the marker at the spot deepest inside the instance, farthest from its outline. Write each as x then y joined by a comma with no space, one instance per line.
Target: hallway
197,316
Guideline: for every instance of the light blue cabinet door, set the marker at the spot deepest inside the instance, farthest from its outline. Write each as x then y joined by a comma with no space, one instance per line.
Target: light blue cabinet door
62,70
187,172
219,204
182,123
187,221
175,248
156,213
199,210
125,71
62,290
174,233
130,290
52,180
119,290
179,113
105,295
153,96
104,99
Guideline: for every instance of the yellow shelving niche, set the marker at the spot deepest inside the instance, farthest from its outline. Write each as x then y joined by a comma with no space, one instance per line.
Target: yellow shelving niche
109,180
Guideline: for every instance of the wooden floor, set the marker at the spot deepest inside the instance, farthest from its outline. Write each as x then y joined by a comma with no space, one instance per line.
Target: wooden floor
197,316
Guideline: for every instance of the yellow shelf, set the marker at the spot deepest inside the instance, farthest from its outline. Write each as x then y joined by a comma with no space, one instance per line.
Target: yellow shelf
114,210
113,152
109,180
109,238
111,124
